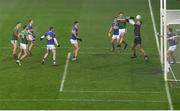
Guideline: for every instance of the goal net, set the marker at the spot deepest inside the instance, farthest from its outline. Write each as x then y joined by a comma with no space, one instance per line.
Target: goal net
172,67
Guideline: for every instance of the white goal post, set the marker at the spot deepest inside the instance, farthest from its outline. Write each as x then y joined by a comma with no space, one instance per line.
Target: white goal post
168,17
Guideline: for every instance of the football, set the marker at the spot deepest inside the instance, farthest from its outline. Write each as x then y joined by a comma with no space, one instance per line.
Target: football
138,17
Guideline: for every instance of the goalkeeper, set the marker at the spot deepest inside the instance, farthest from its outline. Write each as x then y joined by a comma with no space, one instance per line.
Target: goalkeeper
74,40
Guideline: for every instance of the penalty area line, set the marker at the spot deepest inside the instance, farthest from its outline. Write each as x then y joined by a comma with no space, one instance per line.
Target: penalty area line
65,72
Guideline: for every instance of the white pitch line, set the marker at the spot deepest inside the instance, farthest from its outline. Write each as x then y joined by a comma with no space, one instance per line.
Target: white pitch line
154,26
131,92
157,43
82,100
65,72
173,73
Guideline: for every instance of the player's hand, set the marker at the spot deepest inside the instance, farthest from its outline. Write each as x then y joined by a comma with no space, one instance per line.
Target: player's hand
79,39
41,39
109,34
58,45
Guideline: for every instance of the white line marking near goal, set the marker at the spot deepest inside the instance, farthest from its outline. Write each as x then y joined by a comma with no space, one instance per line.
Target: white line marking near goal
173,73
131,92
154,26
155,33
82,100
65,72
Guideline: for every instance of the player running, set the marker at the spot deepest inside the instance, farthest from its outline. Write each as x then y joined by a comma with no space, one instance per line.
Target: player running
14,39
74,40
137,39
122,29
23,45
50,44
32,35
115,33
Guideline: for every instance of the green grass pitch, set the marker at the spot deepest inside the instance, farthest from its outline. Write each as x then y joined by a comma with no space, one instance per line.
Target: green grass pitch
101,79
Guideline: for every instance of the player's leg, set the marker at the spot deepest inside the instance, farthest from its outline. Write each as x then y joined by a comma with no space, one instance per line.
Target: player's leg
113,43
122,37
24,54
54,56
31,47
134,51
125,44
173,57
76,51
135,42
171,54
15,46
45,55
143,52
19,56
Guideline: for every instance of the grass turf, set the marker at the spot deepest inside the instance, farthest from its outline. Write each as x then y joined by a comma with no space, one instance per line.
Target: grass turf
131,84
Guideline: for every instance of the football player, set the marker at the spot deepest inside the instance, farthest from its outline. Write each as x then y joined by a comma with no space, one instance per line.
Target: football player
137,39
50,44
114,29
32,35
23,45
122,29
14,39
74,40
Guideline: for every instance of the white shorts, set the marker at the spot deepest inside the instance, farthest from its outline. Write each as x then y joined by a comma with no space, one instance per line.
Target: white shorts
115,37
73,41
172,48
23,46
51,47
121,31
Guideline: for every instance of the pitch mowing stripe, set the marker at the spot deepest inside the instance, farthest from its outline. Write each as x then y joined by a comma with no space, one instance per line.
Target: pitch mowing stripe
81,100
65,72
130,92
155,33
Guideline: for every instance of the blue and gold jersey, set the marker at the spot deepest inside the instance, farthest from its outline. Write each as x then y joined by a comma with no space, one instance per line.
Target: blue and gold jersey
171,41
74,30
50,37
115,27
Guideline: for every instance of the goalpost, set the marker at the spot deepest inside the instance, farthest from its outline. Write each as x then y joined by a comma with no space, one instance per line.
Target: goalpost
169,18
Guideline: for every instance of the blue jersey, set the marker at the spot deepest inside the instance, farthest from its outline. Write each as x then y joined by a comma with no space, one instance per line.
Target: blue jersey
171,41
115,27
50,37
74,30
30,27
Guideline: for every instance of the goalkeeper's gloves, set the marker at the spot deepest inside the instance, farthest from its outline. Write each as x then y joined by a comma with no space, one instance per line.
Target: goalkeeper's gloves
79,39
